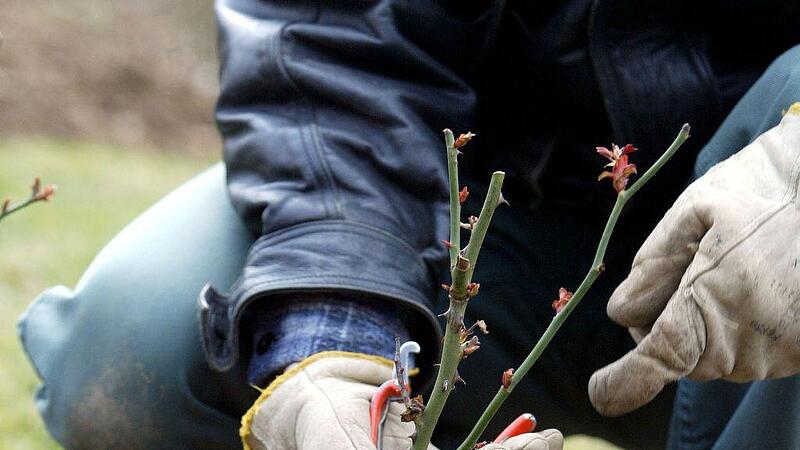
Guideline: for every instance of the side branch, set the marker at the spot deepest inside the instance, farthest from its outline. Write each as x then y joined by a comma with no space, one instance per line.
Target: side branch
38,194
494,197
558,320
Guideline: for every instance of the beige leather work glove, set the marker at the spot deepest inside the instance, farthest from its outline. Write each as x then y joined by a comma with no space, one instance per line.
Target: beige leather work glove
323,403
714,292
545,440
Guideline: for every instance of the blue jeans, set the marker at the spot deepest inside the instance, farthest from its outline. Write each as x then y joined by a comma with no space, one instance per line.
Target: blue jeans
121,362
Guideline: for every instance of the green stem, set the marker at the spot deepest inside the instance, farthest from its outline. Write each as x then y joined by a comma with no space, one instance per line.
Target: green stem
455,203
559,319
493,196
445,378
452,352
676,144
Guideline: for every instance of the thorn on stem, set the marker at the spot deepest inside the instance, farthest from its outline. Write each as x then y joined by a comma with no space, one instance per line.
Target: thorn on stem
481,444
473,288
601,267
502,199
447,243
6,204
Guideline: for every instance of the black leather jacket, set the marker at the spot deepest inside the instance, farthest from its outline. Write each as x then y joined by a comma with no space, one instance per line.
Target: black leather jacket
331,115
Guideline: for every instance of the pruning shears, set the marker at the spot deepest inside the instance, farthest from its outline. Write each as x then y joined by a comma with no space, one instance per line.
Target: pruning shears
525,423
391,391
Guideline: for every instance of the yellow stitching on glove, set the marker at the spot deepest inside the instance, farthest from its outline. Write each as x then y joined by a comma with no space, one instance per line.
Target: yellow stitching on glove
247,418
794,109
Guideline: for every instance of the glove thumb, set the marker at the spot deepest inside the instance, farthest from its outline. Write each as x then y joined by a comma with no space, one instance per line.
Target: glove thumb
670,351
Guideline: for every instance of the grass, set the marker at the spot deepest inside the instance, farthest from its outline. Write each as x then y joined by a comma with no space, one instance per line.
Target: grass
100,190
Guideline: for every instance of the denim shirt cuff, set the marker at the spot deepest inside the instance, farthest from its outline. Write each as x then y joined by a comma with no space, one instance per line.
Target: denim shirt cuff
294,330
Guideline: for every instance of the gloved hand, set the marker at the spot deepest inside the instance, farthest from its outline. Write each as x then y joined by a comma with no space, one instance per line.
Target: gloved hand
714,292
545,440
323,403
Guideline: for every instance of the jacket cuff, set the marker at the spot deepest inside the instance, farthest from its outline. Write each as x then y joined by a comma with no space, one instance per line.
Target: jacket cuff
320,256
292,332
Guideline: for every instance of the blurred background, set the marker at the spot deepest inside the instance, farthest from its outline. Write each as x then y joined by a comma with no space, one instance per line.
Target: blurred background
113,102
137,74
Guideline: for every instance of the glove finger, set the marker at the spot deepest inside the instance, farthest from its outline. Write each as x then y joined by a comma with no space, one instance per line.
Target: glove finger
544,440
639,333
671,350
660,263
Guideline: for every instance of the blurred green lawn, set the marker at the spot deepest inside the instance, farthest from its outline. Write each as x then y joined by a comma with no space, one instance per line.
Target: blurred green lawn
100,190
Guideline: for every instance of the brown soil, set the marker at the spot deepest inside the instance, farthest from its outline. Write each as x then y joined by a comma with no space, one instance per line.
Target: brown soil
134,73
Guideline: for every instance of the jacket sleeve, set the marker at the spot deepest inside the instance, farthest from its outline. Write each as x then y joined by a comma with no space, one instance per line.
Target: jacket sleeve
331,115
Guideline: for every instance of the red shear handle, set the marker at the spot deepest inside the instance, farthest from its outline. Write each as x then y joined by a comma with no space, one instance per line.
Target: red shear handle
386,391
525,423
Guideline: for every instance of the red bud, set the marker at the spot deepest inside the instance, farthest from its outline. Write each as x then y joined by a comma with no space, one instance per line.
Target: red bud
462,195
564,296
45,193
463,139
507,377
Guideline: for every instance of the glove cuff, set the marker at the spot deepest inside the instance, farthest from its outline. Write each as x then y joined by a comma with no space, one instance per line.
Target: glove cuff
247,418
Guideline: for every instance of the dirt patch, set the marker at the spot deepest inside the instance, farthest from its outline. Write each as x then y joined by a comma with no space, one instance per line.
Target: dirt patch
134,73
